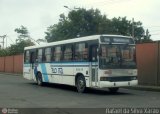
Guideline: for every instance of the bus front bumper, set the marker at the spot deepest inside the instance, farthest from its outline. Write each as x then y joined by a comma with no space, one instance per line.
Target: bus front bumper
104,84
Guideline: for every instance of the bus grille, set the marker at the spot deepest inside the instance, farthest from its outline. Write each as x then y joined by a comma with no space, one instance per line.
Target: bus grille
118,79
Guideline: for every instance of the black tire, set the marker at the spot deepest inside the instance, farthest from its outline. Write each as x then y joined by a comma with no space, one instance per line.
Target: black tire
113,90
81,84
39,79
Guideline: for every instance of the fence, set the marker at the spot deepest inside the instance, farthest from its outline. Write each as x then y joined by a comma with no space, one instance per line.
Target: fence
11,64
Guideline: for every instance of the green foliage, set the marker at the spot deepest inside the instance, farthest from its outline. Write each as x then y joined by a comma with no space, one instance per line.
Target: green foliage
80,22
17,48
22,33
4,52
145,38
23,40
40,41
84,22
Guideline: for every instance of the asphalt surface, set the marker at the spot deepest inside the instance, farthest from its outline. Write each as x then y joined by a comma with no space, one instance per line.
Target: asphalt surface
17,92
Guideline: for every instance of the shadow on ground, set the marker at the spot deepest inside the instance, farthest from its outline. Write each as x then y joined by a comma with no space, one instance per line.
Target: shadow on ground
88,90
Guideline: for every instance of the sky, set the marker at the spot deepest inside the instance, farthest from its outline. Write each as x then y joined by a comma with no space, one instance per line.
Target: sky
37,15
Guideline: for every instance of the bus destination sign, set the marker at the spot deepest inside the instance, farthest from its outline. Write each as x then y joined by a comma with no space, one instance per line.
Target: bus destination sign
116,40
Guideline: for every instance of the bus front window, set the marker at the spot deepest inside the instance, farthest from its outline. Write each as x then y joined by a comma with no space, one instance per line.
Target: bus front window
117,56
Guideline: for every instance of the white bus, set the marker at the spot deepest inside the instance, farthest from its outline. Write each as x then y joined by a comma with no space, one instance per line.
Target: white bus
97,61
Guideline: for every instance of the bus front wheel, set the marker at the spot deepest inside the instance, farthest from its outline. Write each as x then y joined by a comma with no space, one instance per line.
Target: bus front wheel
113,90
39,79
80,84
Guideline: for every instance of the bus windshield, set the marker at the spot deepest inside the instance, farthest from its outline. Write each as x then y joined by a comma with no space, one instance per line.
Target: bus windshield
117,56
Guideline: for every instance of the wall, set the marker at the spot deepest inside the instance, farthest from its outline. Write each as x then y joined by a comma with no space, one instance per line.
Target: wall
18,63
147,63
158,77
148,60
11,64
2,64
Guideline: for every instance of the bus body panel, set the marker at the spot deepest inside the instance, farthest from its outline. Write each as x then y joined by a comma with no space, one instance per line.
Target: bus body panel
62,72
104,84
27,71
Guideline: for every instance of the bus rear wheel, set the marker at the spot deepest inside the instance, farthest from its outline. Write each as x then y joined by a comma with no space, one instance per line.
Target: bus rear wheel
39,79
81,84
113,90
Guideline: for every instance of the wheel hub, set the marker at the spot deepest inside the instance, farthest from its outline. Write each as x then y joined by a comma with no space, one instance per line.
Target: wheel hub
81,83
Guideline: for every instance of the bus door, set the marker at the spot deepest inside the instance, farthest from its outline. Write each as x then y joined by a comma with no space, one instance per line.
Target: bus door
33,62
93,66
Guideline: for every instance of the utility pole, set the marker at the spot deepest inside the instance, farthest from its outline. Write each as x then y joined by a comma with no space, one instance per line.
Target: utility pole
133,27
3,37
6,41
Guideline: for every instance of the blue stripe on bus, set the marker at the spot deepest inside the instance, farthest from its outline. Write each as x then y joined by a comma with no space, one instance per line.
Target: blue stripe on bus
27,65
43,67
74,63
82,62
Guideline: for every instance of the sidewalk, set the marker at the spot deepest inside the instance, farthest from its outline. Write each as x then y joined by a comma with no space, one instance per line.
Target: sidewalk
145,88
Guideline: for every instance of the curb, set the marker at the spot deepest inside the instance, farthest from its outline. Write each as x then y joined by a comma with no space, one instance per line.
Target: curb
145,88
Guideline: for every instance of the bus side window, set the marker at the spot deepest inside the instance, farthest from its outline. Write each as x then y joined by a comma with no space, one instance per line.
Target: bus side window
58,53
27,57
94,53
32,56
47,54
39,55
81,51
52,54
68,52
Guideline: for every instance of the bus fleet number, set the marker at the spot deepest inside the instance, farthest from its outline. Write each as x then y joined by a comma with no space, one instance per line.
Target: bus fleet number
57,70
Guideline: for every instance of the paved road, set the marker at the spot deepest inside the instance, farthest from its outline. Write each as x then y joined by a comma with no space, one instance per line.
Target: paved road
21,93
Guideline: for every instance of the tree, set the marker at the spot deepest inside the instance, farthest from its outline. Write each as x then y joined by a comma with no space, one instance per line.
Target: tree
80,22
84,22
22,41
123,26
4,52
18,48
41,41
145,38
22,33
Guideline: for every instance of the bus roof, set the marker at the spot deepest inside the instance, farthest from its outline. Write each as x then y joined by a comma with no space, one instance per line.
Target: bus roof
73,40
